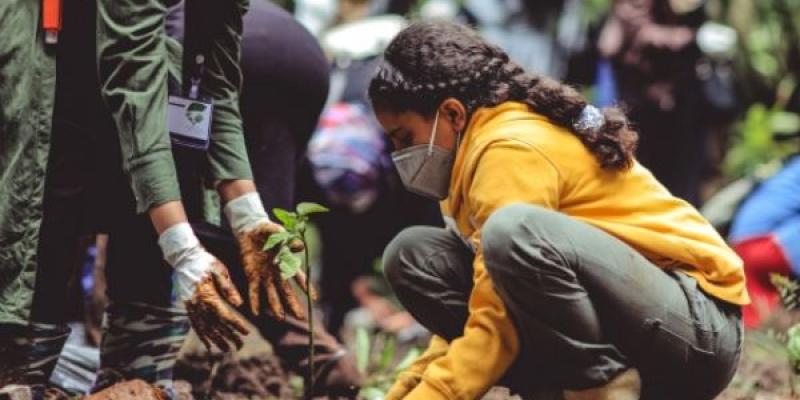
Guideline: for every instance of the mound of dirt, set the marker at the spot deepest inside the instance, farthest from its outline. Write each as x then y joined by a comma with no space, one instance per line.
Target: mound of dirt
129,390
233,377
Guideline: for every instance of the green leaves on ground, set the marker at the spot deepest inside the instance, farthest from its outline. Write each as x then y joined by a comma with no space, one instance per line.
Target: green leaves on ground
362,350
789,290
376,358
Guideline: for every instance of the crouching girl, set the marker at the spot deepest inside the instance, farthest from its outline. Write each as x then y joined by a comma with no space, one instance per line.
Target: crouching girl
564,263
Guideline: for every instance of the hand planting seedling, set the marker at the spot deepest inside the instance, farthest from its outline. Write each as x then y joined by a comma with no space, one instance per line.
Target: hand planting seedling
285,246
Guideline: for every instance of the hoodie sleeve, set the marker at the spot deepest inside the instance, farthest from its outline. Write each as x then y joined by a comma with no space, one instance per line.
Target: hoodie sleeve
508,172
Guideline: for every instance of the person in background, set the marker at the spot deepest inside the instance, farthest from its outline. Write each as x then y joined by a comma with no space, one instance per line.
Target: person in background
348,169
652,49
565,263
766,232
540,35
352,173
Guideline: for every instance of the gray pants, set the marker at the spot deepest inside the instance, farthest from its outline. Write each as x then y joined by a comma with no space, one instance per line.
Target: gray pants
586,306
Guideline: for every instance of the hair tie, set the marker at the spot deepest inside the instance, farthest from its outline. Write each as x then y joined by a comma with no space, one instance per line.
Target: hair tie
589,121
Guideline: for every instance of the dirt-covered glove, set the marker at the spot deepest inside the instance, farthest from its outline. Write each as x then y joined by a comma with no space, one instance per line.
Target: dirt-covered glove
203,286
252,226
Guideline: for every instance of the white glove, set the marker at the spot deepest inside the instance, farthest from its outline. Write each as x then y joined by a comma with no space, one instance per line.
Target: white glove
204,288
246,212
183,252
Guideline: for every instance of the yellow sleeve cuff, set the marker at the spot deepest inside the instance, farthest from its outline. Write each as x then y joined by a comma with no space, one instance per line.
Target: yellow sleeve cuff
425,391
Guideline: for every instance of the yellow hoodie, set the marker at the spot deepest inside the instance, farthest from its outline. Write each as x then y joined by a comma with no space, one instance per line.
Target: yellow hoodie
511,155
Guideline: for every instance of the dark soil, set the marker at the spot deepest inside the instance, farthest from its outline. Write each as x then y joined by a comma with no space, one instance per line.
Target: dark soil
232,377
764,372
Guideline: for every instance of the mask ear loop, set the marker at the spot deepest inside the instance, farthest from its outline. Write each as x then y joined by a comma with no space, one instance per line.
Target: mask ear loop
433,134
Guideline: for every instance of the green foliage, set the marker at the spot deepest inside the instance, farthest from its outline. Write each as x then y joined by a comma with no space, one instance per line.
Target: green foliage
767,69
362,350
287,218
761,138
296,224
595,10
276,239
306,209
769,41
377,358
793,347
288,262
789,290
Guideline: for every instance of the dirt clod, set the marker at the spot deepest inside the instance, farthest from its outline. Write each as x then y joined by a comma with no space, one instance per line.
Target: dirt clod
230,377
129,390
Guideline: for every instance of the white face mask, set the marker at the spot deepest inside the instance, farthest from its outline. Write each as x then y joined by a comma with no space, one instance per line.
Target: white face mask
425,169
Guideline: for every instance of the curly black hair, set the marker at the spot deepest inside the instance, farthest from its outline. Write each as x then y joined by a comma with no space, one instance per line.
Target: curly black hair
431,61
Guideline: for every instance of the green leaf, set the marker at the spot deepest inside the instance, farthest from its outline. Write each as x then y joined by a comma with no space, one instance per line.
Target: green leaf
296,385
288,262
300,226
389,348
287,218
409,359
377,266
785,122
362,350
793,346
304,209
789,290
371,393
276,239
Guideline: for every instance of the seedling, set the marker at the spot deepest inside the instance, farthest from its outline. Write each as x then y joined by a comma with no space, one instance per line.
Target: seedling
291,263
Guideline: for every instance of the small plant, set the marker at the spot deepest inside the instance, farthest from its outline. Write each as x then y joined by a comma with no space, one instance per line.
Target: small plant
375,359
789,290
292,263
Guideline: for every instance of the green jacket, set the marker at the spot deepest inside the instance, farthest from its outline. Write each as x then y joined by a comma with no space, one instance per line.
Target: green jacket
27,85
135,57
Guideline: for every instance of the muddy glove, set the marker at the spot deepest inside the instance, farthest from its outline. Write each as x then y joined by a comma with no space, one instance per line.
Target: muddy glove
203,285
252,226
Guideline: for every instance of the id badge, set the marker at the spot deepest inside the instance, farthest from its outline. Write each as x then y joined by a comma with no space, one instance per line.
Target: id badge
189,121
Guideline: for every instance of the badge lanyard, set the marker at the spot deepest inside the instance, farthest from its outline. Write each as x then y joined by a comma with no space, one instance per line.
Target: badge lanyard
189,117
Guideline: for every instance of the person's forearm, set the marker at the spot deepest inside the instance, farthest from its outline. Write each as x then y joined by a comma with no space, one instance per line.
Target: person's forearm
229,190
167,215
